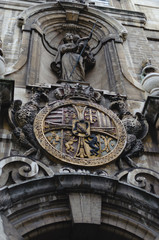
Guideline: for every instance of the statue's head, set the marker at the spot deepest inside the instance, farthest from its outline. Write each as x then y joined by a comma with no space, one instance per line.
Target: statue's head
68,38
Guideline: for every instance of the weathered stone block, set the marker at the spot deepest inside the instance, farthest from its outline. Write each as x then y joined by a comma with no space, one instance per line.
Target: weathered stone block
85,208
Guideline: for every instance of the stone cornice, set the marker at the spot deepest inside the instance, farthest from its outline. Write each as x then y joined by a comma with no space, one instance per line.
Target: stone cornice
126,16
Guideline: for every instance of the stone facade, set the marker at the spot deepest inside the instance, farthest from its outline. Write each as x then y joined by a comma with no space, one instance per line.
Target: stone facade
79,124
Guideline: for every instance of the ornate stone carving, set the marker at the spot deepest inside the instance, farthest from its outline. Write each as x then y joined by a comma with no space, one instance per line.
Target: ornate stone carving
136,127
21,119
77,92
73,58
17,169
68,170
80,133
144,178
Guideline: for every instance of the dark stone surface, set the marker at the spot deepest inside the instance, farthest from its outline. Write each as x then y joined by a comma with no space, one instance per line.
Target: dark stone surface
46,202
6,92
64,184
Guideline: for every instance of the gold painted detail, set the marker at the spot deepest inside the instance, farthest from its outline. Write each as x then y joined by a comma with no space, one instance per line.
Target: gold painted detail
80,133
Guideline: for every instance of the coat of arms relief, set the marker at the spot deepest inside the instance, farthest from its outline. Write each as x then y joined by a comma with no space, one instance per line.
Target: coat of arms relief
74,125
80,133
71,123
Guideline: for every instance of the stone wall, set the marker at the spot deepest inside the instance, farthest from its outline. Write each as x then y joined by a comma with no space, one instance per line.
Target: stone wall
43,189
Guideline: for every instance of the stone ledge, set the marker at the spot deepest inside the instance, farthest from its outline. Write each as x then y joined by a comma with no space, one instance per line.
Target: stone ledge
77,183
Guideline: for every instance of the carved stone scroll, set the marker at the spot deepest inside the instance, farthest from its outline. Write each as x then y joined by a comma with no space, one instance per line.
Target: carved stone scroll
17,169
144,178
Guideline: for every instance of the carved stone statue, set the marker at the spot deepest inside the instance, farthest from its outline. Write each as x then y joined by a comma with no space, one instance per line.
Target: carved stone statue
136,128
21,120
73,58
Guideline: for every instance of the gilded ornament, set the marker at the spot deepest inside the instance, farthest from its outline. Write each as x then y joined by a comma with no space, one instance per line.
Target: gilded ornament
79,132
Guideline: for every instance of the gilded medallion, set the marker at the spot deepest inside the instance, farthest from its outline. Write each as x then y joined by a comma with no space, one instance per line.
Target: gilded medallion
80,133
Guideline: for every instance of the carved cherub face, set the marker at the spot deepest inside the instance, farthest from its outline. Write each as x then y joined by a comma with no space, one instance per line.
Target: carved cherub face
68,38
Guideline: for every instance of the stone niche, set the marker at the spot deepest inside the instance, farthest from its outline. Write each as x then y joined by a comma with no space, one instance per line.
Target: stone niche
43,28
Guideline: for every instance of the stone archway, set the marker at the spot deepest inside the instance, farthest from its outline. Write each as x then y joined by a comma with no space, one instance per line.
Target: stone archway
68,231
67,204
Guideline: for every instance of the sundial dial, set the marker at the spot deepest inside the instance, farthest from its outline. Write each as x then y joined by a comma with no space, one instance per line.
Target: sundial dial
80,132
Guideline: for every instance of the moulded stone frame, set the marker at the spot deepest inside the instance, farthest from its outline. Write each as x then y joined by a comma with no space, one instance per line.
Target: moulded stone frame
36,25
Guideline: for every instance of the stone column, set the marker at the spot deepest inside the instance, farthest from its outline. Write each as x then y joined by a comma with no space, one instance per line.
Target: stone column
115,77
